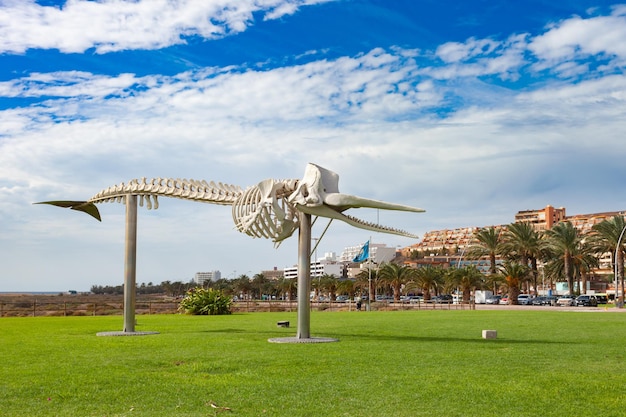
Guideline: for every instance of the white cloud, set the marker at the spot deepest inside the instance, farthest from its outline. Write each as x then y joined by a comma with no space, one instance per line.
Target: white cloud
66,84
481,57
568,48
577,38
110,25
457,51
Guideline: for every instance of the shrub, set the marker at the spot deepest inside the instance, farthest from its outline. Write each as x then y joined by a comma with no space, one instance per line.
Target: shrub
200,301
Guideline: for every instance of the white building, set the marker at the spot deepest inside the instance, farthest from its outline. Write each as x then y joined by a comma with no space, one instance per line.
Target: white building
379,253
327,265
201,277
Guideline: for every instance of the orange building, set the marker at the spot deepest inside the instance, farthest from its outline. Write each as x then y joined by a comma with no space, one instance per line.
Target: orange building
542,219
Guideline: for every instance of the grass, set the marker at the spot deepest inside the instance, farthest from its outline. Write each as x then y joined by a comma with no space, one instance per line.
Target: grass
404,363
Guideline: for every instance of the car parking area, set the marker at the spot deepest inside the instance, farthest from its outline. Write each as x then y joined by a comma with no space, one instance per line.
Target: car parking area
601,308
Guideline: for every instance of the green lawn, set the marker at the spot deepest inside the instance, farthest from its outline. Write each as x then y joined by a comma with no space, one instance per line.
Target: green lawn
404,363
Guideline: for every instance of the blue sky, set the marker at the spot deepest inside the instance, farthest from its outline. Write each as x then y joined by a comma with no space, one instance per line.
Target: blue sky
472,110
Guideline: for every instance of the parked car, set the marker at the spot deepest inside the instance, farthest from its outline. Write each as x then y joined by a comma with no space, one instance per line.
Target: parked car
444,299
493,299
587,300
504,300
538,301
524,299
602,298
566,301
416,299
544,300
550,300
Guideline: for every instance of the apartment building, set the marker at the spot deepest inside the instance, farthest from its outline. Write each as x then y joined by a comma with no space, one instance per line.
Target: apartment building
379,253
201,277
273,274
545,218
438,241
584,222
542,219
326,265
455,240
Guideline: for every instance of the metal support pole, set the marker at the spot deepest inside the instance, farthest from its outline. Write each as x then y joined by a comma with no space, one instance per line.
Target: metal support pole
304,277
130,264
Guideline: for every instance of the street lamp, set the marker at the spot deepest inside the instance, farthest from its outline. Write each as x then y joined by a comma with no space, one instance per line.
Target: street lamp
458,263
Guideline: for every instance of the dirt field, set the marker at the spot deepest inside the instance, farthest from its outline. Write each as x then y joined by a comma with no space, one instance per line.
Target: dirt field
19,305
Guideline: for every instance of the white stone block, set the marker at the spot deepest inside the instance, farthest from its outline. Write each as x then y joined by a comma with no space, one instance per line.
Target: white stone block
490,334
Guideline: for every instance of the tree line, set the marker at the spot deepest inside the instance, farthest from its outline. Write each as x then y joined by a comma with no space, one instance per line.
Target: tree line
174,289
566,253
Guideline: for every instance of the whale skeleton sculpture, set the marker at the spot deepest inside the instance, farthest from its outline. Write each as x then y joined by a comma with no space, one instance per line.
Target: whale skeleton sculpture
272,209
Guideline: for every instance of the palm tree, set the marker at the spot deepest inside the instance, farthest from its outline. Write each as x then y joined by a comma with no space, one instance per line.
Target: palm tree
470,280
258,282
316,286
584,262
563,241
467,279
367,280
451,278
328,282
428,278
569,254
488,244
346,287
221,284
288,287
396,276
605,237
514,273
522,243
242,285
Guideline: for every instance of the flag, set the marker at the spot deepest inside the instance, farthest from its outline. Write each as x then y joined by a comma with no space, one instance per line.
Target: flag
364,253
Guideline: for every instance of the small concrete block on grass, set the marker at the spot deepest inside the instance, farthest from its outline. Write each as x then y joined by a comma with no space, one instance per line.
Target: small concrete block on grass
490,334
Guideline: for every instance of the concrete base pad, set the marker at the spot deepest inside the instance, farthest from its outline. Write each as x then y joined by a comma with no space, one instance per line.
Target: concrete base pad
125,333
302,340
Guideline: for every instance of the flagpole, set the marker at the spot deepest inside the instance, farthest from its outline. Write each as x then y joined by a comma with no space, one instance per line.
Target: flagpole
362,256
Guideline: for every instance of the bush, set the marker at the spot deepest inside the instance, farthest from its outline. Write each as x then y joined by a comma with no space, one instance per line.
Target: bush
200,301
